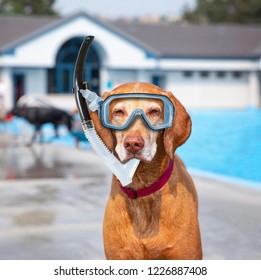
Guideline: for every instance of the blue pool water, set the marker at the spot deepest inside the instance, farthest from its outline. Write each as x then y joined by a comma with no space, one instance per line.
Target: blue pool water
222,142
226,143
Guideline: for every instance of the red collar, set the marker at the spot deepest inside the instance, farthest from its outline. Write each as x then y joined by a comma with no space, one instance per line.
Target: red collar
133,194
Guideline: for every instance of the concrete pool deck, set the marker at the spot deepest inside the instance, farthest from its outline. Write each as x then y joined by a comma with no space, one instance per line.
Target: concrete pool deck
52,201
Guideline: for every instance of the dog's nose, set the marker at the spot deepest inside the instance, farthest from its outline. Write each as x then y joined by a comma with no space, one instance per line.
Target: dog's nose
133,144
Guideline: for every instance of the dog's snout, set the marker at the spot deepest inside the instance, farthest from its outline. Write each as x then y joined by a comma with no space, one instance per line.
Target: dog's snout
133,144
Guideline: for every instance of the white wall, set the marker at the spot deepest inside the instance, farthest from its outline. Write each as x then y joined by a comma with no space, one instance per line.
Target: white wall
62,101
117,77
6,88
36,81
209,92
198,97
254,89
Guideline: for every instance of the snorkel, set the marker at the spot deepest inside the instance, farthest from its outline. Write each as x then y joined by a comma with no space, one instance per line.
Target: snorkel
87,101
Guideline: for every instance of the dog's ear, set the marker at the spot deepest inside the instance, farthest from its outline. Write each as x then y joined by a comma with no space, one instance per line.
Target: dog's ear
180,130
104,133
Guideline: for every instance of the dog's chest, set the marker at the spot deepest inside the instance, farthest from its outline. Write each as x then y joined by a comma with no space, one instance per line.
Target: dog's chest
149,245
144,224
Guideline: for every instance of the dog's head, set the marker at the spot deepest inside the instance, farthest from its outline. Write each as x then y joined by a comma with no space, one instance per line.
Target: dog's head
138,140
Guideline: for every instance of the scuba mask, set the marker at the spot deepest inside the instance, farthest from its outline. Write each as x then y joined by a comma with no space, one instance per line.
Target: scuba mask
117,113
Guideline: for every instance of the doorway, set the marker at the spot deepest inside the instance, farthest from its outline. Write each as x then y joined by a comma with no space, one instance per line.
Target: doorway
65,63
19,80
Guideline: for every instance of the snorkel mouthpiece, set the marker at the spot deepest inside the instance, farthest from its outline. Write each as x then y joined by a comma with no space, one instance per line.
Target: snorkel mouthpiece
88,100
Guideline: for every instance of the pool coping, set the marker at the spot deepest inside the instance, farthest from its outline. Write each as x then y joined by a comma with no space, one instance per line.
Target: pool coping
226,179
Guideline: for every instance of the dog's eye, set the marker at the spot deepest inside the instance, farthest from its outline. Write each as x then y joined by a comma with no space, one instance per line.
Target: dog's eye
118,112
154,112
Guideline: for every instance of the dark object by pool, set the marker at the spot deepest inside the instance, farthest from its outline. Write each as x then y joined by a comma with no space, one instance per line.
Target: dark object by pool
38,112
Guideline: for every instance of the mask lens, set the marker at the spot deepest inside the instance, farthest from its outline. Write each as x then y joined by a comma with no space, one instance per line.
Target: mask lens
119,111
122,111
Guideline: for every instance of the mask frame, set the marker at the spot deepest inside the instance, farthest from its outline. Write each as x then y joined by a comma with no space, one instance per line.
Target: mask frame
169,111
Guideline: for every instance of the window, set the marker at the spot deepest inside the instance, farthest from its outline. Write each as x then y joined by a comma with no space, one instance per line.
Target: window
187,74
204,74
237,74
221,74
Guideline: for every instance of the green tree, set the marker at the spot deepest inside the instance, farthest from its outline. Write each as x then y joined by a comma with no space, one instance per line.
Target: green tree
27,7
224,11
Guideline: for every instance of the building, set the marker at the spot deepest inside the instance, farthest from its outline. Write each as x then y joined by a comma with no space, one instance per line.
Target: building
204,66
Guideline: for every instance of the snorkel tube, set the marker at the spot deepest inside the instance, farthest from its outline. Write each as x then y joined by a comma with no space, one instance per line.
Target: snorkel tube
88,100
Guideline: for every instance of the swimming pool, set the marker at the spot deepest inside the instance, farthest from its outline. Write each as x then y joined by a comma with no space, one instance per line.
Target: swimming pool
224,143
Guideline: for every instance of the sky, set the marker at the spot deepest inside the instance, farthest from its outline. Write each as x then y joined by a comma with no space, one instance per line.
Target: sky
117,8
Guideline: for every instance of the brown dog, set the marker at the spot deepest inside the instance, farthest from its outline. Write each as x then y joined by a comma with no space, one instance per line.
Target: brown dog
163,224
